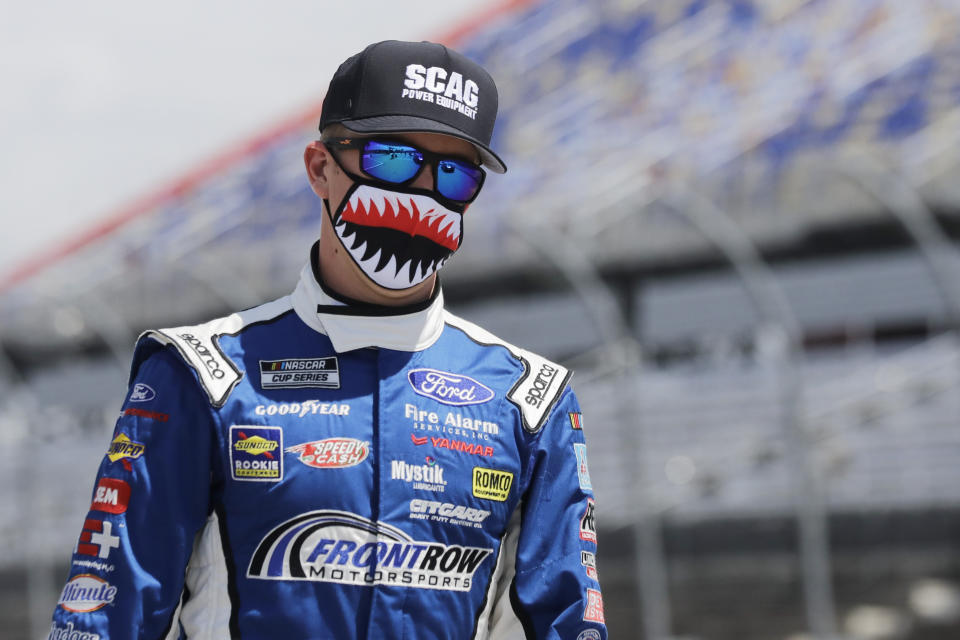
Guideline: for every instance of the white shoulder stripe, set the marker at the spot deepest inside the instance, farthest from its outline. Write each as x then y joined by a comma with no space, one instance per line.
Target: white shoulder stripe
199,346
541,384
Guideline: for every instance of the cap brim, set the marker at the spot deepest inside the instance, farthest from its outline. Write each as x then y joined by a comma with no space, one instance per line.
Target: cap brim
413,124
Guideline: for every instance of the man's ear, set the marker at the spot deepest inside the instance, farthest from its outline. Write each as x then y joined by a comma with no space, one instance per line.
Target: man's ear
316,159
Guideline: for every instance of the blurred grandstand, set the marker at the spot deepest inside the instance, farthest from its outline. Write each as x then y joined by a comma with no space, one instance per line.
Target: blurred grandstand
735,219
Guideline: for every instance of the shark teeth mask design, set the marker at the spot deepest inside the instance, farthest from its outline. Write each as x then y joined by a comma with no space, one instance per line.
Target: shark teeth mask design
397,239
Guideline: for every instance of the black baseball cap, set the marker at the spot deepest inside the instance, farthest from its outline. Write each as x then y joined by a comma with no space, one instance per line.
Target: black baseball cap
394,87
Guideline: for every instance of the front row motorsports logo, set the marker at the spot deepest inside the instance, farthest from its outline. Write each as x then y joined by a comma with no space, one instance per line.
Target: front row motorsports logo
449,388
344,548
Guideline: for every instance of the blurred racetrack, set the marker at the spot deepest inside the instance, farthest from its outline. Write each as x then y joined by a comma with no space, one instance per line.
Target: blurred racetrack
736,220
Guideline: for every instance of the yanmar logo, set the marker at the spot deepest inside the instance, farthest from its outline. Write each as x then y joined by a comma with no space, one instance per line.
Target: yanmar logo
449,388
344,548
443,88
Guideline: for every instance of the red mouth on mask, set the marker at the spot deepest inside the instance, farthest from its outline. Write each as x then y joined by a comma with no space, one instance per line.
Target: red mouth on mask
412,214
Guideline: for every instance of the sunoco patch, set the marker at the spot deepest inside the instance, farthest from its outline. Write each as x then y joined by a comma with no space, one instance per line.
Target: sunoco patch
297,373
256,453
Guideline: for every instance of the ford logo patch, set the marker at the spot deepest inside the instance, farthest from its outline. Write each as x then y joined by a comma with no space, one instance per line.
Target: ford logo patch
449,388
142,393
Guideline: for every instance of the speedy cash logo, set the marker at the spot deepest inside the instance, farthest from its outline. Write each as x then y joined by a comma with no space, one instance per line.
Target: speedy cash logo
332,453
449,388
345,548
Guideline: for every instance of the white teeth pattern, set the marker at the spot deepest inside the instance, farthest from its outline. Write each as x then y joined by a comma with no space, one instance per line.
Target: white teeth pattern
378,200
429,209
390,276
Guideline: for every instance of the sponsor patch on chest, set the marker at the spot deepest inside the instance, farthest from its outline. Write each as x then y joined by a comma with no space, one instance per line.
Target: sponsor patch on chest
332,453
449,388
298,373
346,548
256,453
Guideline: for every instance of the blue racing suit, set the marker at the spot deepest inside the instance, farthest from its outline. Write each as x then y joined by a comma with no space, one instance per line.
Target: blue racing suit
314,468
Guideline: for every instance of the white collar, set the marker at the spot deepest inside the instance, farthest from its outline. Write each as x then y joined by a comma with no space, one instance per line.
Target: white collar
358,325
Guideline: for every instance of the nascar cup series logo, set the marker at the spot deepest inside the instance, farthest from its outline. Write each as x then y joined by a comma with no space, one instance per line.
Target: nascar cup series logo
344,548
449,388
300,373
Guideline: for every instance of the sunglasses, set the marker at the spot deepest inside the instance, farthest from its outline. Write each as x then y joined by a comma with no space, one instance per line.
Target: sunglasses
400,163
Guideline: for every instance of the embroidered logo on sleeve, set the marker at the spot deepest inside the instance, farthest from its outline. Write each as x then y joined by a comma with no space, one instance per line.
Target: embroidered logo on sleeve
588,523
111,496
576,421
583,472
594,610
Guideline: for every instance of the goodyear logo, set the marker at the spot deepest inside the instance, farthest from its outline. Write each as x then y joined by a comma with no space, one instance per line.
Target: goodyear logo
491,484
255,453
124,447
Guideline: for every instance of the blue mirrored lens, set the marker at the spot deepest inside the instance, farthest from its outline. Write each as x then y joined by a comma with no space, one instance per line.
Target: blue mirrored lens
458,180
398,163
390,162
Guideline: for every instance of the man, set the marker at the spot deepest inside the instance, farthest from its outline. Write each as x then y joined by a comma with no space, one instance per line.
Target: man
351,461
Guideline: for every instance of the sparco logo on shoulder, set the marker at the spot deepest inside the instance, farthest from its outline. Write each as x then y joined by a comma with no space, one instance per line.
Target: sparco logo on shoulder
345,548
449,388
541,384
209,360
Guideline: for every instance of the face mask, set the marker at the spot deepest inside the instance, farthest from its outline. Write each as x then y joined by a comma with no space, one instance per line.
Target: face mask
398,237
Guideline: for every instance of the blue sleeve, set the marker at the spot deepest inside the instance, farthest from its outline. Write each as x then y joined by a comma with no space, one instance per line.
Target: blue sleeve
555,593
150,498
